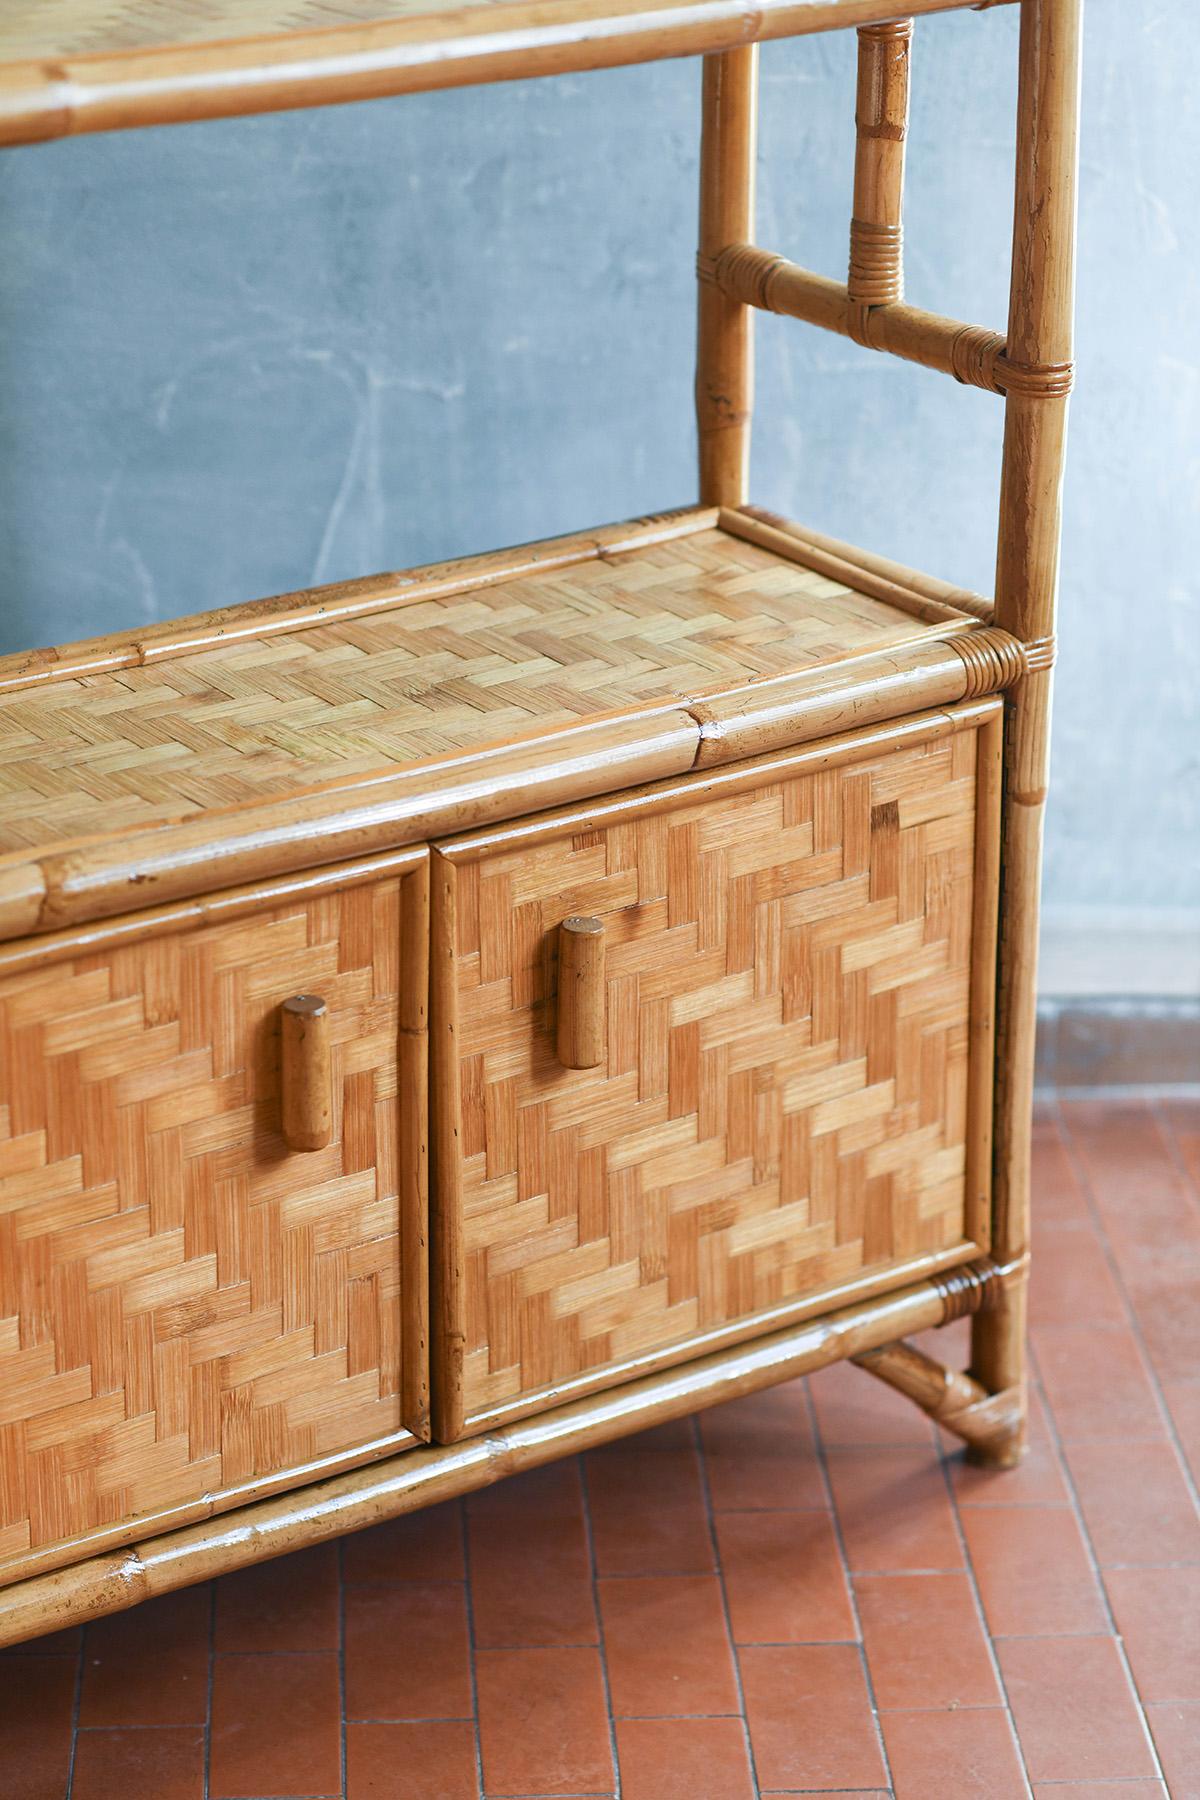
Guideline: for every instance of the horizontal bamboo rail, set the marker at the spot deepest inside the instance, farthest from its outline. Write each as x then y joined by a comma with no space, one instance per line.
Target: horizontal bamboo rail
971,353
342,600
251,62
933,601
421,1477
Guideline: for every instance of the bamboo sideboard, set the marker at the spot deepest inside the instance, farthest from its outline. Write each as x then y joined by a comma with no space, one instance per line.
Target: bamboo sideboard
457,1017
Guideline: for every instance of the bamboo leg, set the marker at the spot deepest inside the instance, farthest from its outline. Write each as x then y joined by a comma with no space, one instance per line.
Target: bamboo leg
724,347
1039,336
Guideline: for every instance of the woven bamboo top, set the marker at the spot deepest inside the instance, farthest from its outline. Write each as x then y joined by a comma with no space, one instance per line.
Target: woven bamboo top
97,65
296,703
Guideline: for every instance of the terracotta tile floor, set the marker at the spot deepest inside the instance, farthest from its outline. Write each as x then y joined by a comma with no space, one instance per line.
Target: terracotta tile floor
803,1592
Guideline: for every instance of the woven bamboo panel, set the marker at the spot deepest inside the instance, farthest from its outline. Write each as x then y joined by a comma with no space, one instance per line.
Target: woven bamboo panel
96,27
782,1106
254,718
186,1306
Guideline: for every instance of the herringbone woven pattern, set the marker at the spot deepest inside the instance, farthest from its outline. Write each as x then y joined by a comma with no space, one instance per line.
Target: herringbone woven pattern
254,718
184,1305
783,1104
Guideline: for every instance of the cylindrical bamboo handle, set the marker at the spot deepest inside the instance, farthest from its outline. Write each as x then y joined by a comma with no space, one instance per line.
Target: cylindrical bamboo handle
305,1073
581,1021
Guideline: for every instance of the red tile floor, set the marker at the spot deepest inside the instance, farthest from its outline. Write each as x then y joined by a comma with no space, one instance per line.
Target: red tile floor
804,1592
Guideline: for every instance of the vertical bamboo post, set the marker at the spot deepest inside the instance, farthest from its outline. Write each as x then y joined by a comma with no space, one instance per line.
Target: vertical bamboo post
1039,339
876,276
724,343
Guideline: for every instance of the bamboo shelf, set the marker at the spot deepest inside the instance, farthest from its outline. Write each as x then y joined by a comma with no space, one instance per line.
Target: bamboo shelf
461,1015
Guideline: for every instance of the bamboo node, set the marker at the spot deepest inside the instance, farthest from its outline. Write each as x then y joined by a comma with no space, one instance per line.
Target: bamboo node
745,273
993,659
973,354
876,275
1035,381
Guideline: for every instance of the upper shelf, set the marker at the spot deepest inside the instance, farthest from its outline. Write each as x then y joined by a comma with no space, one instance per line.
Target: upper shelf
353,720
69,66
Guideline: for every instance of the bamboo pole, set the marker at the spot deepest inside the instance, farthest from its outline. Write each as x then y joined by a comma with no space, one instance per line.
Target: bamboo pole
876,275
724,324
1039,335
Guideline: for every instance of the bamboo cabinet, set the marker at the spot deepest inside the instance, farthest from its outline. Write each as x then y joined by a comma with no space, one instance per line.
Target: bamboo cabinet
454,1018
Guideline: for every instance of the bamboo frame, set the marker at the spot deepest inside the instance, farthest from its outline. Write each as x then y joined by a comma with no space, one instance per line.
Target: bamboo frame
1032,367
89,894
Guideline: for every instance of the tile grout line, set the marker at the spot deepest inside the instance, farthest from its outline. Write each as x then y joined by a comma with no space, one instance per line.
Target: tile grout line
719,1569
980,1611
1066,1143
1150,1367
76,1701
464,1537
1170,1136
601,1639
848,1577
1133,1318
340,1549
212,1672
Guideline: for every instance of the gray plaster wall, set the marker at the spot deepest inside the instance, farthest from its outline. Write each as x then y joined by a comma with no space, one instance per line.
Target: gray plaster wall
244,357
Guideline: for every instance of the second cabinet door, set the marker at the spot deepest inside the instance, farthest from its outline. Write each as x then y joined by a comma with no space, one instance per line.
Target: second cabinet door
785,987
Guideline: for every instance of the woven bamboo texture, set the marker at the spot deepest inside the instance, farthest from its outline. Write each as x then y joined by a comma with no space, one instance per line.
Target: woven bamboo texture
185,1307
252,718
783,1103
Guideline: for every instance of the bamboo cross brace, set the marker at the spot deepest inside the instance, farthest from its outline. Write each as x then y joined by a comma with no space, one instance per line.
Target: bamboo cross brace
990,1423
952,1399
971,353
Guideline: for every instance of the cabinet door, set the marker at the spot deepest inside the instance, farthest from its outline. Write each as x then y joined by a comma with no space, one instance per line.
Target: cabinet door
790,1107
192,1311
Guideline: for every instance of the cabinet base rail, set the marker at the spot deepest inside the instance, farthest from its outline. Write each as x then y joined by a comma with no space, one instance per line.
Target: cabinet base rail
868,1331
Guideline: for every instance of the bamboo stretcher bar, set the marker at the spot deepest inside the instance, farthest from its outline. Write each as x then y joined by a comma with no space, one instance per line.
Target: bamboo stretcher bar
971,353
233,57
120,1579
